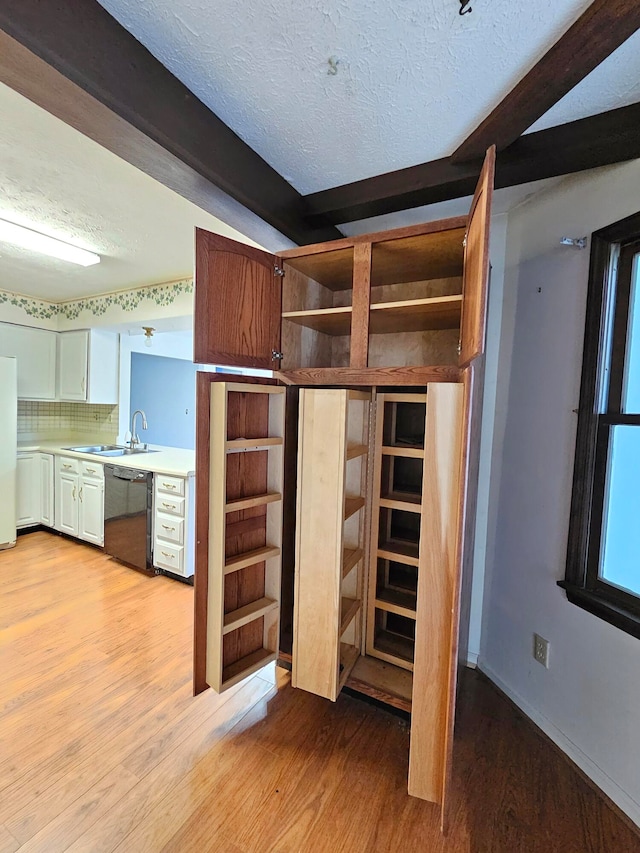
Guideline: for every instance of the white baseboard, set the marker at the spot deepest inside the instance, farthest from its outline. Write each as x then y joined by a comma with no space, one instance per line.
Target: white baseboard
606,784
472,660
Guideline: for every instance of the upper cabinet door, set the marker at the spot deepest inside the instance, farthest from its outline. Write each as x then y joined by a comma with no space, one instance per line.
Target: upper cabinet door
476,265
237,304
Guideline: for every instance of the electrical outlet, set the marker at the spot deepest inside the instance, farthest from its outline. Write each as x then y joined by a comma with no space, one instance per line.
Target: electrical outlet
541,650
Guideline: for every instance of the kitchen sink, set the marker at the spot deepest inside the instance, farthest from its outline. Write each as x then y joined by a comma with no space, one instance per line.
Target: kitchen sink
110,450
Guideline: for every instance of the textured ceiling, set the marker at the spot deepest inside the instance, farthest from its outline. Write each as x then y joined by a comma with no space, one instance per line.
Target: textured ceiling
59,182
412,77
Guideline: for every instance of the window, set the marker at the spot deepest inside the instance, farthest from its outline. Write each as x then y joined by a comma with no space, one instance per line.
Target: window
603,557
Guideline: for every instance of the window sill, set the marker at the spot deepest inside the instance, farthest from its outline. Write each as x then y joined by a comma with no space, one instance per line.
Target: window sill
597,605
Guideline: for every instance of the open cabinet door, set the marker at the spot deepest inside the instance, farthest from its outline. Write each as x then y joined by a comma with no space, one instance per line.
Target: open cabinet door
438,594
238,299
476,265
239,486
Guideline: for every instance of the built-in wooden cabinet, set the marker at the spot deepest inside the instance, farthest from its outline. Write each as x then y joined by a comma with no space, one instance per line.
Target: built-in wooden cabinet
173,525
34,489
381,334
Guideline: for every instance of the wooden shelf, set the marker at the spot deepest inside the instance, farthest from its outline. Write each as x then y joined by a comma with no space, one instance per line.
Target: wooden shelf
418,257
248,503
407,554
330,321
394,601
250,558
394,645
348,658
415,315
408,452
349,608
382,681
356,450
249,613
352,505
239,445
240,669
405,501
350,558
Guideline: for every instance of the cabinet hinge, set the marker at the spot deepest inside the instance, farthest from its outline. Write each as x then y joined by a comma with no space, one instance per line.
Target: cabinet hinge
278,271
464,241
276,356
459,348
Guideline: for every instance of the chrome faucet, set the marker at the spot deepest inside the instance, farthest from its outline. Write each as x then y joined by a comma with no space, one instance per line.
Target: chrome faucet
135,439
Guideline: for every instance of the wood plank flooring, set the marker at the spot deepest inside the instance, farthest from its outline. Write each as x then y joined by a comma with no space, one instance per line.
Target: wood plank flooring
103,747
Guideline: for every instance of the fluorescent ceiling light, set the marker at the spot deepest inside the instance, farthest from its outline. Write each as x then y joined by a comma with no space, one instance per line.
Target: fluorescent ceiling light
18,235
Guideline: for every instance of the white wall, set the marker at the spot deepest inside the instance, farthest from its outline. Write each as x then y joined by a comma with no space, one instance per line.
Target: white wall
168,344
588,700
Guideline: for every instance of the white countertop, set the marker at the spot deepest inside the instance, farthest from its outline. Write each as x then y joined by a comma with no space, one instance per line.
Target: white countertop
174,461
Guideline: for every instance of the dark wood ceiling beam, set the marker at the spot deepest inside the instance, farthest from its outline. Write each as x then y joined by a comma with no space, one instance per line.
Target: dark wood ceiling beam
600,140
83,42
603,27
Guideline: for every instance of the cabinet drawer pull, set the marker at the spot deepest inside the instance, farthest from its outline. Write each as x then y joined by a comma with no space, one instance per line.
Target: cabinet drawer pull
170,556
65,465
166,527
91,470
168,506
73,493
169,485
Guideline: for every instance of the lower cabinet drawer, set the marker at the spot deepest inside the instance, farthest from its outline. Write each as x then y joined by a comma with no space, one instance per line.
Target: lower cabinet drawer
169,485
165,503
169,557
170,527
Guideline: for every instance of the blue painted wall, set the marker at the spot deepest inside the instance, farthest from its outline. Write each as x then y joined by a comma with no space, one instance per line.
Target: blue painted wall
165,389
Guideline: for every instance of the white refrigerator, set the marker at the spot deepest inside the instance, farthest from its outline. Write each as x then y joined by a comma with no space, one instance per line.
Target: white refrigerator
8,450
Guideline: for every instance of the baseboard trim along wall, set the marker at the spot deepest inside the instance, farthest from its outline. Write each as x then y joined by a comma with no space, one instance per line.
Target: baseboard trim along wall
472,660
620,801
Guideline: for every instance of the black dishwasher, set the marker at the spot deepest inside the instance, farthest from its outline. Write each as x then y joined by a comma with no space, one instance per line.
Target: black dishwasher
128,501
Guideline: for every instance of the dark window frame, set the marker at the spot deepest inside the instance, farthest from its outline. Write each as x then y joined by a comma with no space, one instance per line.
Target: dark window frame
599,410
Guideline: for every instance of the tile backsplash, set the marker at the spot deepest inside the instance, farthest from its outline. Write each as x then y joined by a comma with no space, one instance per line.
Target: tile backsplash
41,420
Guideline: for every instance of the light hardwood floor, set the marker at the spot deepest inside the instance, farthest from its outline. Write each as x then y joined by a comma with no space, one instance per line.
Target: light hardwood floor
103,747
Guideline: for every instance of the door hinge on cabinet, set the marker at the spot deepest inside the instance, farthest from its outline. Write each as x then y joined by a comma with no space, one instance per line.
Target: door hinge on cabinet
278,271
464,241
459,347
276,356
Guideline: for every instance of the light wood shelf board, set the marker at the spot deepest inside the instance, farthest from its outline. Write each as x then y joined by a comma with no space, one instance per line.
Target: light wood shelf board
348,610
350,558
238,445
239,388
356,450
250,612
330,321
240,669
250,558
256,500
352,505
404,501
407,452
415,315
392,397
403,604
406,554
382,681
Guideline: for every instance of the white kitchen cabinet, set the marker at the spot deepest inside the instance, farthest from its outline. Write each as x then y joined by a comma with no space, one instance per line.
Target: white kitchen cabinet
67,503
174,525
91,511
46,489
80,499
88,366
35,352
28,489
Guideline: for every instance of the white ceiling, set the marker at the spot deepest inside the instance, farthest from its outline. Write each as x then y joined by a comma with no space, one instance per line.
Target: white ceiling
59,182
413,76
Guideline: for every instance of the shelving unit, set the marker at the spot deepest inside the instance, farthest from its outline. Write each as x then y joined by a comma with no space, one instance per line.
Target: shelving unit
395,528
330,537
245,529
